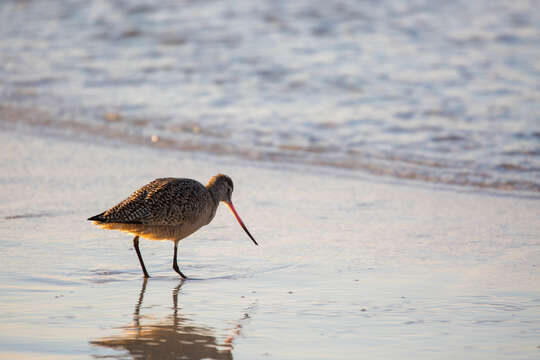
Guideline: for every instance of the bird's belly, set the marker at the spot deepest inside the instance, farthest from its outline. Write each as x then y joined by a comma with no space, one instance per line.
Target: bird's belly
153,232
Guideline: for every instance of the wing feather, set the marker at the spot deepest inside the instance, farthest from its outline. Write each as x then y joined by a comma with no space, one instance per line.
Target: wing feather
164,201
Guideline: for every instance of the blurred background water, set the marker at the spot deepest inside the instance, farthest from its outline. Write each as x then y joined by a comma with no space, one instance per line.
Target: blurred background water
440,91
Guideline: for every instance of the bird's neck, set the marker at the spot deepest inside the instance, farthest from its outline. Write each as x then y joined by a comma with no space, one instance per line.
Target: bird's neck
214,193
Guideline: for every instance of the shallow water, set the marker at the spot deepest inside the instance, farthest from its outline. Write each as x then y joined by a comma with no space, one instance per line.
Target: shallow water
347,267
444,92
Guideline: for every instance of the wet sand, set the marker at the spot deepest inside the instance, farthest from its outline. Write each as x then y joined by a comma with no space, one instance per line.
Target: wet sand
348,267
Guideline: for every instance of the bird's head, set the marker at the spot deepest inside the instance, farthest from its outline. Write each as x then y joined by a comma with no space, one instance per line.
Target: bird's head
221,187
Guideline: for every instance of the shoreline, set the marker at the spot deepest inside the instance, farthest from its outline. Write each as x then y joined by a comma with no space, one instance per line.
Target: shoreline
90,134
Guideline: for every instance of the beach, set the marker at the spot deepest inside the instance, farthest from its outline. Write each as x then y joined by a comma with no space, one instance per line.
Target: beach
348,266
385,156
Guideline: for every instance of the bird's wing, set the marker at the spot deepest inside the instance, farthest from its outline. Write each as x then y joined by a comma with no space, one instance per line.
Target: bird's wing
178,202
165,201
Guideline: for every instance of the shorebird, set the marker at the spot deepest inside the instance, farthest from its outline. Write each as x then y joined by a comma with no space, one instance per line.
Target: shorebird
169,209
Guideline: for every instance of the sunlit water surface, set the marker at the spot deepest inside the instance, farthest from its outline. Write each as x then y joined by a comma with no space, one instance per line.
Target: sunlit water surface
437,91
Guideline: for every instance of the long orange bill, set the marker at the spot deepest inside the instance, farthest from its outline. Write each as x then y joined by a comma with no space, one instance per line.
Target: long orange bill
240,220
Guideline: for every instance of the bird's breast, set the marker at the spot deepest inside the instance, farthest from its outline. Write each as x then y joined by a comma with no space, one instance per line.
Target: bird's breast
154,232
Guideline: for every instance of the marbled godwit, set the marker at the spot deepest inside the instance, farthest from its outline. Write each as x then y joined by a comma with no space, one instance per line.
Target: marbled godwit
169,209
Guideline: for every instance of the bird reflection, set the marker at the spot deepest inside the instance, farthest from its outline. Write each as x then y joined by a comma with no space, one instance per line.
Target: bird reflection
176,337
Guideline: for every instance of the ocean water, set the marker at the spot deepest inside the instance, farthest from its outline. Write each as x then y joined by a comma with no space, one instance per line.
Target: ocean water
437,91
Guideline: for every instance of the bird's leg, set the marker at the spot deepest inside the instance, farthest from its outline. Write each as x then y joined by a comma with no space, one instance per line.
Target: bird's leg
174,263
136,246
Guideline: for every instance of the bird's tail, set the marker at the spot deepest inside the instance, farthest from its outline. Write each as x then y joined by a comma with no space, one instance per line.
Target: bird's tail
98,217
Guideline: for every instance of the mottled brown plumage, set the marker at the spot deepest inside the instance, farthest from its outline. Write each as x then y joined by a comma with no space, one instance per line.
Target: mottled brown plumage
169,209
